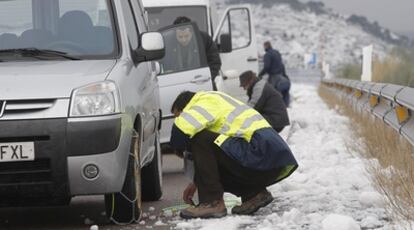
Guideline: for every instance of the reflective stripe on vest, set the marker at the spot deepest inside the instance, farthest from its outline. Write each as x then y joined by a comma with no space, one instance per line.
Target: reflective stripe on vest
239,109
247,123
203,112
192,121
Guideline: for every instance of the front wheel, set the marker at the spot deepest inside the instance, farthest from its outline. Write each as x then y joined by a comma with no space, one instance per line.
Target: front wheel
125,207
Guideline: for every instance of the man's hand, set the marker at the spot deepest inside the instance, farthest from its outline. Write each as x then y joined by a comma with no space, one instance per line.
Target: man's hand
188,193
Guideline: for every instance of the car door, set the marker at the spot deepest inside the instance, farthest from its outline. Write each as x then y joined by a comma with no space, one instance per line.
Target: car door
236,38
149,92
184,67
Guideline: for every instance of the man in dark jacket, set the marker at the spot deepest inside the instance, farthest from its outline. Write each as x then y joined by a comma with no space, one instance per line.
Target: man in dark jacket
234,150
265,99
275,69
183,52
212,52
273,64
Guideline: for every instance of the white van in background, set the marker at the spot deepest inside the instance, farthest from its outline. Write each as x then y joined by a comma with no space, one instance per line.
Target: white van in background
235,35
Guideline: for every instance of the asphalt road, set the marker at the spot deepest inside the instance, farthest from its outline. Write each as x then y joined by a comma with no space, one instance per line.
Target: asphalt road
86,211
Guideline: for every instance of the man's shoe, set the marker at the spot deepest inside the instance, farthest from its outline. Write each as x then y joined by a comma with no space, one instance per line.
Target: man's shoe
249,207
215,209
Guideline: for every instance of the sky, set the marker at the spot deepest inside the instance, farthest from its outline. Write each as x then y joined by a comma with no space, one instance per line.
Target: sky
396,15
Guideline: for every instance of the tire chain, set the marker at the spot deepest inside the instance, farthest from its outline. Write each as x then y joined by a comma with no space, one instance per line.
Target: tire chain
137,172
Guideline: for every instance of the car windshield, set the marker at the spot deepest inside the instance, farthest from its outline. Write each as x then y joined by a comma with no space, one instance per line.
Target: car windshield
160,17
73,27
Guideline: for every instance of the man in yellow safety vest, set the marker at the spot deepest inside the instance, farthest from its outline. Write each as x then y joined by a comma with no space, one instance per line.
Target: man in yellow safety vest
234,150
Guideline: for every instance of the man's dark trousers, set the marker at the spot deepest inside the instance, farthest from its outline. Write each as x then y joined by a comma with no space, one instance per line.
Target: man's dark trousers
215,172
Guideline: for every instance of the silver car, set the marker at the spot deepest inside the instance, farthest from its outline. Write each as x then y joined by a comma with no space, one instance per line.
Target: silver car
77,82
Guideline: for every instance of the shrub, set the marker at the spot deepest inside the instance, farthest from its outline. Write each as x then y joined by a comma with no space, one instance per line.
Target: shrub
396,68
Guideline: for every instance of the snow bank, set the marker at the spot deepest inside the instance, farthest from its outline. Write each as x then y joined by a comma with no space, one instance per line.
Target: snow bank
339,222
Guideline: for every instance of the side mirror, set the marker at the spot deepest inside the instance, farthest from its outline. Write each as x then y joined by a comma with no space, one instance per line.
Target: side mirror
152,47
225,43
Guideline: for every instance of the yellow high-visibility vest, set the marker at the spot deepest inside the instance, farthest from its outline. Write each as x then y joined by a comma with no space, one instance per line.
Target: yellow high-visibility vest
220,113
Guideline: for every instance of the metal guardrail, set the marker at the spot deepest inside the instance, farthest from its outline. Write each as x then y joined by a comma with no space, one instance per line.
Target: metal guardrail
394,104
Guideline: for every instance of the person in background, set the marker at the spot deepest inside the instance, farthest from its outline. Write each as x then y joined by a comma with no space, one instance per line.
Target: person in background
265,99
234,150
212,52
284,86
275,69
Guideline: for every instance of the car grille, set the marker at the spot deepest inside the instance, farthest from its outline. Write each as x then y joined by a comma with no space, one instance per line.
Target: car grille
25,173
24,106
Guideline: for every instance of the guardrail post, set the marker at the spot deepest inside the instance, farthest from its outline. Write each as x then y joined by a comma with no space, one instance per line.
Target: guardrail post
367,63
326,69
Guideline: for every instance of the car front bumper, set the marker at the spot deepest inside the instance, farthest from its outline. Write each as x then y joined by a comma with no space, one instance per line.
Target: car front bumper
62,148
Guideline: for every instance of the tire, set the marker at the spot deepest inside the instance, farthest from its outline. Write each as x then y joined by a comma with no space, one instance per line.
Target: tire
152,176
125,207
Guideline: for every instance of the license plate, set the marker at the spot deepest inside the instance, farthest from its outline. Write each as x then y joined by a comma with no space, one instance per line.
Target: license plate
19,151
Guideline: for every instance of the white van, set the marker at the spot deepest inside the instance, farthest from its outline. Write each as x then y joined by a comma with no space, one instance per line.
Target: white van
77,86
235,35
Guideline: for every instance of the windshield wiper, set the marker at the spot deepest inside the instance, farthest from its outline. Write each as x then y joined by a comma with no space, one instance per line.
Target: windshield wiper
34,52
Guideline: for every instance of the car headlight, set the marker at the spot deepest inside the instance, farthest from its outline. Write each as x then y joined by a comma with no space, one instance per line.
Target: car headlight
95,99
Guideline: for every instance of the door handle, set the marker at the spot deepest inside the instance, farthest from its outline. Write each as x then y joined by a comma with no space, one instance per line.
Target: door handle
251,59
200,79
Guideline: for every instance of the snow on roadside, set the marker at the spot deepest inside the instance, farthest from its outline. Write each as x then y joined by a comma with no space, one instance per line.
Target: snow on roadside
330,190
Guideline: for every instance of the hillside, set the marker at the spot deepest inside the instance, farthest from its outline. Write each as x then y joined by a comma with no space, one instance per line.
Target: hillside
296,28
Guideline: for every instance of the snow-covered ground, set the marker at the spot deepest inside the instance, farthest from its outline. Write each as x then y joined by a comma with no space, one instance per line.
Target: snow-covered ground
331,189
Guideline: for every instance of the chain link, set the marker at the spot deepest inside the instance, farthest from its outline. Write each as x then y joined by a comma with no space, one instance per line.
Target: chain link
137,172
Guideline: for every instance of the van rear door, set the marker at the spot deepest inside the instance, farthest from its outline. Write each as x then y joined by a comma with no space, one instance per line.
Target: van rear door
236,38
184,67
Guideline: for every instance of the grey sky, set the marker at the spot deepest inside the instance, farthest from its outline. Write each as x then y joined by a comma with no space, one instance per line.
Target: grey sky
397,15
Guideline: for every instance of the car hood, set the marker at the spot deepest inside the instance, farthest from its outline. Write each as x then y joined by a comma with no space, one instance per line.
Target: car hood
49,79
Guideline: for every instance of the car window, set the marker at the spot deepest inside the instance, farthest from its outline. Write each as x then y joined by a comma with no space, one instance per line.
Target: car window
15,17
159,17
182,50
76,27
240,28
131,25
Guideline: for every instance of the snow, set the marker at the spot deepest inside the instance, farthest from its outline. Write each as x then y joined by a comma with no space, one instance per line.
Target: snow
228,223
370,222
394,36
330,189
339,222
88,221
371,199
296,33
159,223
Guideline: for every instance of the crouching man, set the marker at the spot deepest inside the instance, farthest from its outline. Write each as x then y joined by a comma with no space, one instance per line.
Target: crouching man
234,150
264,98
